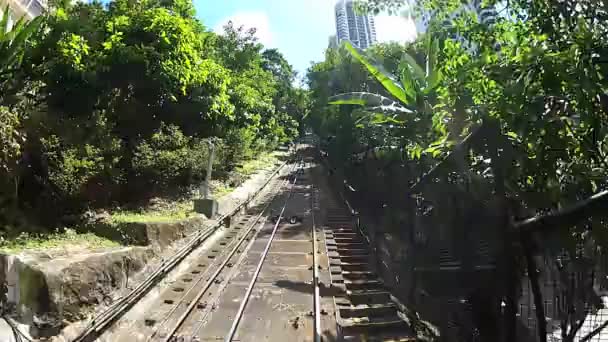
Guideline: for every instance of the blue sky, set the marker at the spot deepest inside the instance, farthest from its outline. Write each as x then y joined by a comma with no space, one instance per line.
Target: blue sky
300,29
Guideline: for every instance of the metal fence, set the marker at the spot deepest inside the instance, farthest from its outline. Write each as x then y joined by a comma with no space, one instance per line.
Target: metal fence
553,290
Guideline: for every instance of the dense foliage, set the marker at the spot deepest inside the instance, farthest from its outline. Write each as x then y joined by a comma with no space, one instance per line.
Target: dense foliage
104,104
538,70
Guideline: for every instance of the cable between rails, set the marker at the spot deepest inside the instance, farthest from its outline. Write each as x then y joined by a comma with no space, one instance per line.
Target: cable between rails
210,280
239,315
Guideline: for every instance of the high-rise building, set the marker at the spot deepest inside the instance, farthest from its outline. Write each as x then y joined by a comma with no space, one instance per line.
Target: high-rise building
28,9
359,29
332,42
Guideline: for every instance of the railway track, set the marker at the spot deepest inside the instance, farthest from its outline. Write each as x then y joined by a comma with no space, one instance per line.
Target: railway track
269,296
294,268
183,312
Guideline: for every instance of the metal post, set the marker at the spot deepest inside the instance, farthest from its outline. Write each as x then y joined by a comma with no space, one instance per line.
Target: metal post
205,188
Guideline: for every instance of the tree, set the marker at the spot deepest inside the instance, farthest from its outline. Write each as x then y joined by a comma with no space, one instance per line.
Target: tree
102,83
536,72
13,42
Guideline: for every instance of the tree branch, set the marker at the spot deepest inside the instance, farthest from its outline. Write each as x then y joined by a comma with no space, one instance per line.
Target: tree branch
596,331
458,149
568,217
577,328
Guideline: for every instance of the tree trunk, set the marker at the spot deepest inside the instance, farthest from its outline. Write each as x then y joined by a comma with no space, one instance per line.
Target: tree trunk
510,316
536,291
508,262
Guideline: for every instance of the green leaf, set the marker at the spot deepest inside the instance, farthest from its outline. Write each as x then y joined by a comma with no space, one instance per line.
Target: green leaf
529,180
415,152
13,41
378,118
373,102
4,22
410,86
387,80
350,101
513,135
417,70
433,72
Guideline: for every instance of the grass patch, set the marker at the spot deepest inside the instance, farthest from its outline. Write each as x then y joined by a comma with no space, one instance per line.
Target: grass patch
250,167
179,210
67,238
221,190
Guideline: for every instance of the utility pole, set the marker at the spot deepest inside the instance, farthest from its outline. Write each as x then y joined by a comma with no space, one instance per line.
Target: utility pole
205,204
204,190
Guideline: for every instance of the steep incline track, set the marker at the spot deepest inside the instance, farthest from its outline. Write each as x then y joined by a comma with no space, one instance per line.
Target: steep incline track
294,268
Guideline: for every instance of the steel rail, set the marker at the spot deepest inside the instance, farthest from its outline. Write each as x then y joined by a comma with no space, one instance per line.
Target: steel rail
239,314
315,277
200,278
200,321
214,276
100,322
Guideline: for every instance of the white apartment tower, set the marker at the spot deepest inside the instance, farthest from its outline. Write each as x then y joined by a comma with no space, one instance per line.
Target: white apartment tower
27,9
359,29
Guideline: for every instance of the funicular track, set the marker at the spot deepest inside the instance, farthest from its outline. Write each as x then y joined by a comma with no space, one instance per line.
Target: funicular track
186,318
102,325
249,282
293,268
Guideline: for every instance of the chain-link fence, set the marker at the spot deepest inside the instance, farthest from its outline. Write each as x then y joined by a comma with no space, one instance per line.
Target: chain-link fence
559,283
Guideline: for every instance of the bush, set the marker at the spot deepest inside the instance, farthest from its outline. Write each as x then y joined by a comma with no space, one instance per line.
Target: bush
164,157
71,167
238,144
11,140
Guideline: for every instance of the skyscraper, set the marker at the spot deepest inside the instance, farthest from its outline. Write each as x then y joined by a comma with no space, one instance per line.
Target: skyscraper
332,42
28,9
356,28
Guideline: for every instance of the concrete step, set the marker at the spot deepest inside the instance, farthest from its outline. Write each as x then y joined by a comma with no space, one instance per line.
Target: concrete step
351,251
346,241
359,275
391,324
362,285
376,296
357,245
369,311
353,259
388,336
360,266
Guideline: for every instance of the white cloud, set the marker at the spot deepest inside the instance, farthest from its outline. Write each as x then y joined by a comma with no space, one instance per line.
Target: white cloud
257,20
395,28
